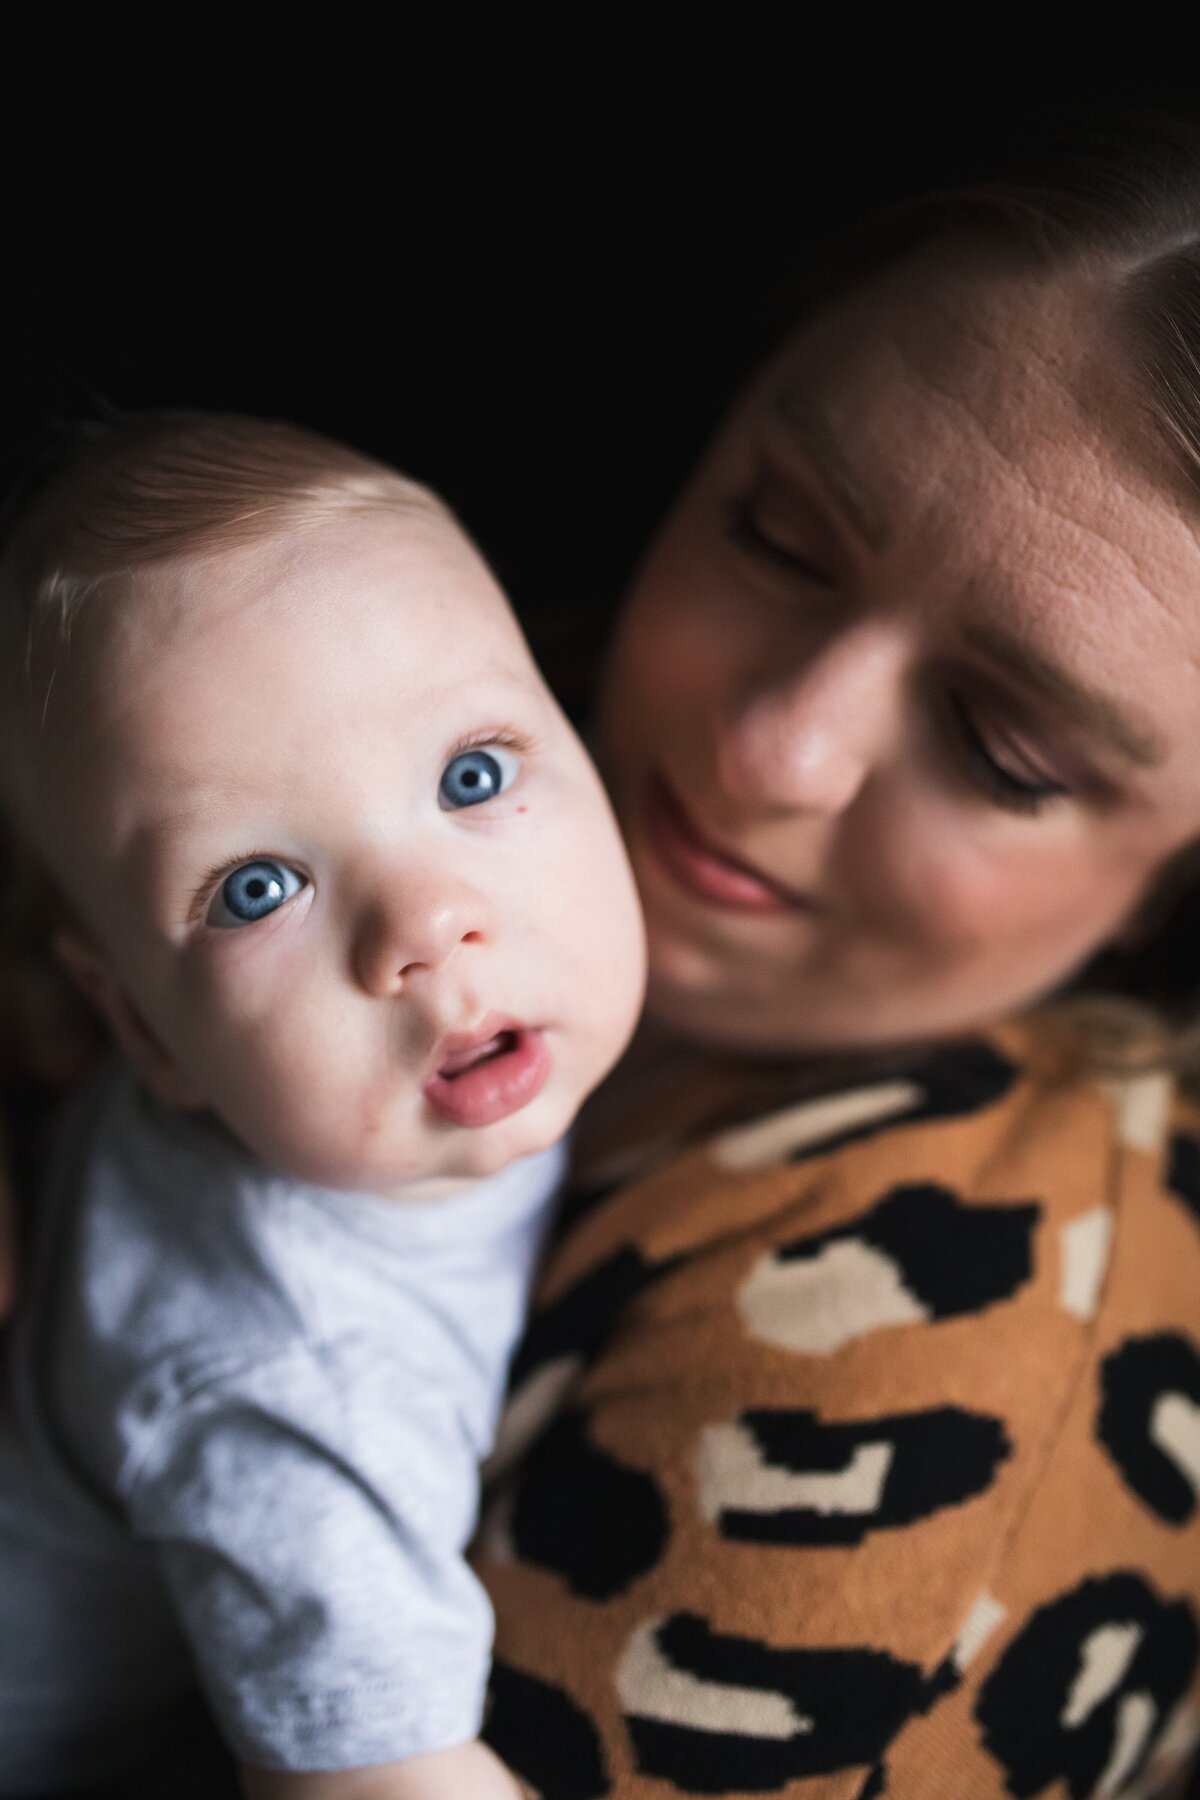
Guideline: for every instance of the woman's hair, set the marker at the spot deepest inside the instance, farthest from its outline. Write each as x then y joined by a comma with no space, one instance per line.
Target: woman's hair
1119,205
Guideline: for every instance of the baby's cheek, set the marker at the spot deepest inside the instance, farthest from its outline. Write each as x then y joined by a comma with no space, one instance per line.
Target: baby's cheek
241,975
263,1041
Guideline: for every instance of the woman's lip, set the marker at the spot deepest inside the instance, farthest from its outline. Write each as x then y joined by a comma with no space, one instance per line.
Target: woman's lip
483,1076
703,868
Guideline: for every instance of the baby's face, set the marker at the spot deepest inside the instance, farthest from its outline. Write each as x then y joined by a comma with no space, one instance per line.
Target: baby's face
345,856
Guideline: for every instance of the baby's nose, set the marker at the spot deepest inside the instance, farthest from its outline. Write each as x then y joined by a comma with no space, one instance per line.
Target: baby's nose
414,928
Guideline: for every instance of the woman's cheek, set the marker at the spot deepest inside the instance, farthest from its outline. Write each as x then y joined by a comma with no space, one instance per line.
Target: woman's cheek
940,877
690,629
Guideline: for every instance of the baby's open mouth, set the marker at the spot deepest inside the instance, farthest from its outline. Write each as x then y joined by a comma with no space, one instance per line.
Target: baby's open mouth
485,1075
460,1061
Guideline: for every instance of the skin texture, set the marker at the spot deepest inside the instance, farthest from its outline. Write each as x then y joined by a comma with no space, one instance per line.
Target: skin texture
300,700
807,662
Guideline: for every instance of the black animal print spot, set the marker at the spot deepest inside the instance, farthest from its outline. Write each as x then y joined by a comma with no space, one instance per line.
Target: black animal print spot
578,1322
715,1714
788,1477
918,1254
953,1257
586,1516
953,1082
1150,1421
1183,1171
1081,1694
580,1199
875,1786
544,1737
559,1340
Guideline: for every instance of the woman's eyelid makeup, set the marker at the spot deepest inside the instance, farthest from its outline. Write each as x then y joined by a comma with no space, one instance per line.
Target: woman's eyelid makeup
782,514
1046,738
1031,748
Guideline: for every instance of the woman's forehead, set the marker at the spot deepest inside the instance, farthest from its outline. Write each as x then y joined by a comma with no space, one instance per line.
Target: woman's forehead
961,370
1023,365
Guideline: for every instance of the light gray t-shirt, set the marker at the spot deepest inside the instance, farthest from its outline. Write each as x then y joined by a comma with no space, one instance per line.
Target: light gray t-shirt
244,1423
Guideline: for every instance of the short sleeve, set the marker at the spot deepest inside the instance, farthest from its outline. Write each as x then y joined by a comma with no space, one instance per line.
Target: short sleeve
309,1516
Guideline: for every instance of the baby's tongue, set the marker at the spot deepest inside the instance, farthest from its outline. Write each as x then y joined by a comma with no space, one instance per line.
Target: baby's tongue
460,1060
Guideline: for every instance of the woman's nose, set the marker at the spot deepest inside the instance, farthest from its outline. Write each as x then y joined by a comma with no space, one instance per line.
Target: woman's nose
416,926
806,736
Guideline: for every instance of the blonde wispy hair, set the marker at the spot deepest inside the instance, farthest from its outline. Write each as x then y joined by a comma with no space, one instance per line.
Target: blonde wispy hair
119,495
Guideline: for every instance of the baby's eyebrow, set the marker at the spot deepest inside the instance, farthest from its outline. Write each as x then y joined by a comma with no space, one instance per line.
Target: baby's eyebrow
168,836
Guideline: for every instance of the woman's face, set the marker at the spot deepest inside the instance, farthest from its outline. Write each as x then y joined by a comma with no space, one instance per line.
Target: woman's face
902,715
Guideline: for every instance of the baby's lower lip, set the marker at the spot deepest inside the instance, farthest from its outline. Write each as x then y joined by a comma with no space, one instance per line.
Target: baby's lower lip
699,867
509,1071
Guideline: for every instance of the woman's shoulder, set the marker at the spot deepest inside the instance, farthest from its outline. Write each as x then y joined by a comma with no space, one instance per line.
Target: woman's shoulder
709,1139
880,1414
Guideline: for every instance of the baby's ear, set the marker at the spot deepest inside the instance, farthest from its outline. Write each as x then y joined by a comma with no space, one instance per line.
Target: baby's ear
94,976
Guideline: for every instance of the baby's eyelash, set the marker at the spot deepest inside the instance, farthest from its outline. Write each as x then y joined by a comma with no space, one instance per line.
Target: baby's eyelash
507,736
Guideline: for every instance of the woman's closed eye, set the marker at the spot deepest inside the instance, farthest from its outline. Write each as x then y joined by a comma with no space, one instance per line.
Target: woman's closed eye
769,537
252,891
1025,792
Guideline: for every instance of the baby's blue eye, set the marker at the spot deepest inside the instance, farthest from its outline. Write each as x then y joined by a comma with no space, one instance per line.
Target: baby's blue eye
476,776
252,892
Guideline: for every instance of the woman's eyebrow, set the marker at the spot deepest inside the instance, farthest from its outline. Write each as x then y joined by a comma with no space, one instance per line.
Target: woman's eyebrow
810,430
1131,734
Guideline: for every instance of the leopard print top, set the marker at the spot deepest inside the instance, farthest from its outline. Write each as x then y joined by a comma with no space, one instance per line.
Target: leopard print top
866,1452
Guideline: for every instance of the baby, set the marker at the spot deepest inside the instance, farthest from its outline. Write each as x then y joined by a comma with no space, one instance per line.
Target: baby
347,891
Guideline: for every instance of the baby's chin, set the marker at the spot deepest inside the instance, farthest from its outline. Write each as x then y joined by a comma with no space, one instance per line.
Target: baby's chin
448,1158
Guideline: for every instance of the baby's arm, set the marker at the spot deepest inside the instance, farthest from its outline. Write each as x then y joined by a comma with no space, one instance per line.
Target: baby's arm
466,1772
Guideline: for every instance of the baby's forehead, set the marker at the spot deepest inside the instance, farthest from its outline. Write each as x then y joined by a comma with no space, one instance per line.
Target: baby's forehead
304,635
335,586
321,628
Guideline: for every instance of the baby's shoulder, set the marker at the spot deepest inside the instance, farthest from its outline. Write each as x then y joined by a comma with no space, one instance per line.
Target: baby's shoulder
156,1230
172,1265
165,1263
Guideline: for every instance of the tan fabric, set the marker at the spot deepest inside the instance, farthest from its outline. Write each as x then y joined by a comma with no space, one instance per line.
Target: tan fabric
879,1474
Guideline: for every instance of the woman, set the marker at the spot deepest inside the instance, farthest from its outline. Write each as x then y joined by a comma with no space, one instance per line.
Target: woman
876,1465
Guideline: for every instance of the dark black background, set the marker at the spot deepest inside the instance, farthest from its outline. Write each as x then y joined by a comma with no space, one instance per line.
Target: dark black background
536,304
